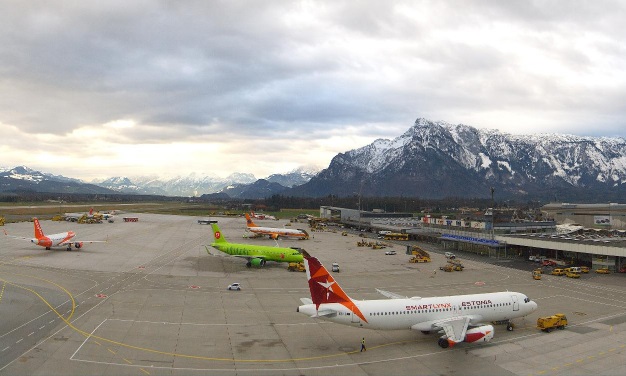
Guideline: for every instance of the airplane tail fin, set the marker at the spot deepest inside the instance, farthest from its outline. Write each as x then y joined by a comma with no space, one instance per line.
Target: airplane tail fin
217,234
249,221
38,231
324,288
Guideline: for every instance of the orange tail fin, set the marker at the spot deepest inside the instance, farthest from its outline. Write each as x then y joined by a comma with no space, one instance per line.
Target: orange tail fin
249,221
38,231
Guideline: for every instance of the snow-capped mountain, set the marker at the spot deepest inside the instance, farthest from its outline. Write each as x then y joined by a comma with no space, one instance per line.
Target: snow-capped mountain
190,185
240,185
437,160
298,176
22,178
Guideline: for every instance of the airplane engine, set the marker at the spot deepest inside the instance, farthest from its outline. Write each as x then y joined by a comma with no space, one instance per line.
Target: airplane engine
78,245
483,333
257,262
43,242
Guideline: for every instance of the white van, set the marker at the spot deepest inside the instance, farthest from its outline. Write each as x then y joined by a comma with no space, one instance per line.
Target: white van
384,232
450,255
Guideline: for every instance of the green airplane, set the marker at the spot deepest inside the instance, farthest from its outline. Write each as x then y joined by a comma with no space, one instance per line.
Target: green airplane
256,255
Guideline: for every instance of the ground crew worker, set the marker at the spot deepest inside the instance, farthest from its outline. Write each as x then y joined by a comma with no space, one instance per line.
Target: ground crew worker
363,345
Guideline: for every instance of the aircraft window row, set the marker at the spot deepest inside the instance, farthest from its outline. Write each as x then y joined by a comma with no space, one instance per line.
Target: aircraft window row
437,310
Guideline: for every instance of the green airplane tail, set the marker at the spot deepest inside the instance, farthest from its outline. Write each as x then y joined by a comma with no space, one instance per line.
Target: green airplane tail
217,234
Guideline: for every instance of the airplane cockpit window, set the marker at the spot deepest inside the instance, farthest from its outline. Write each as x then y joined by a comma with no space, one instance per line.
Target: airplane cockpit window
526,300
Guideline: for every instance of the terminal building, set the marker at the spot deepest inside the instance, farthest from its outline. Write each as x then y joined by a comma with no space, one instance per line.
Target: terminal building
598,245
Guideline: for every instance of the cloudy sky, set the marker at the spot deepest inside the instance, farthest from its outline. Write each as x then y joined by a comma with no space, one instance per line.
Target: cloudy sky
94,89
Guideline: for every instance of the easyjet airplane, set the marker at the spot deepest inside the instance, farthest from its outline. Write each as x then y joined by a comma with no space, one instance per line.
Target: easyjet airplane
275,233
63,239
460,318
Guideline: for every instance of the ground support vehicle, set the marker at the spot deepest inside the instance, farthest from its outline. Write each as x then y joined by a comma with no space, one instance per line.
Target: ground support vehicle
449,255
558,271
335,267
584,269
418,259
456,265
603,271
296,267
536,274
572,274
548,323
447,268
234,286
419,255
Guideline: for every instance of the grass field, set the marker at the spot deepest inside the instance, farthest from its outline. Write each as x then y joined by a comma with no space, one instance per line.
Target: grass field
24,211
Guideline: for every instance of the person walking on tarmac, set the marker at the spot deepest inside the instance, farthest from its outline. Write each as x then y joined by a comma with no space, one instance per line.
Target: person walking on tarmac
363,345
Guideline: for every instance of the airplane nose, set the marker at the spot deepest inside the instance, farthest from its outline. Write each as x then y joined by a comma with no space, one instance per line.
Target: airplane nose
533,306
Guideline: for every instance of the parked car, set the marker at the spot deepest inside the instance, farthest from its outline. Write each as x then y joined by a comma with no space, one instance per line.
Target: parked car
558,271
548,263
235,286
572,274
450,255
390,252
584,269
603,271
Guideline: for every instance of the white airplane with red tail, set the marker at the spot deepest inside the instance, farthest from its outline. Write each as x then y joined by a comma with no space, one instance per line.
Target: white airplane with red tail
460,318
63,239
274,232
263,216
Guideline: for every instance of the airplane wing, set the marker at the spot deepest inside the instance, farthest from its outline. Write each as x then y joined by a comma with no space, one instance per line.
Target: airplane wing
454,328
391,295
15,237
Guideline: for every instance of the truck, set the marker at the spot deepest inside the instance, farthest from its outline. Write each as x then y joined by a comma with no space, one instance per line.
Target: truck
456,265
546,324
419,255
296,267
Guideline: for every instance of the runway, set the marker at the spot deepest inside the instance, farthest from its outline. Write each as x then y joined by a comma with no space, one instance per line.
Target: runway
151,301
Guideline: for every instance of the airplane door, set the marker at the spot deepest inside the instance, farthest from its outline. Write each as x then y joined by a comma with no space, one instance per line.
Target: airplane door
456,310
515,303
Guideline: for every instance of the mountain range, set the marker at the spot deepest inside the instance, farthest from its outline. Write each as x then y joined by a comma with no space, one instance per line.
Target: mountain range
431,160
438,160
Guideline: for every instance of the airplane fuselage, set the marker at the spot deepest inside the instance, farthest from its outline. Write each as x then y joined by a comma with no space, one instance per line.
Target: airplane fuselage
276,232
268,253
54,240
421,313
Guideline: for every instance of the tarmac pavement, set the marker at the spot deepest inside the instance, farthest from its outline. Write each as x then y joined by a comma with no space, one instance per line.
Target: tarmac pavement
151,301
